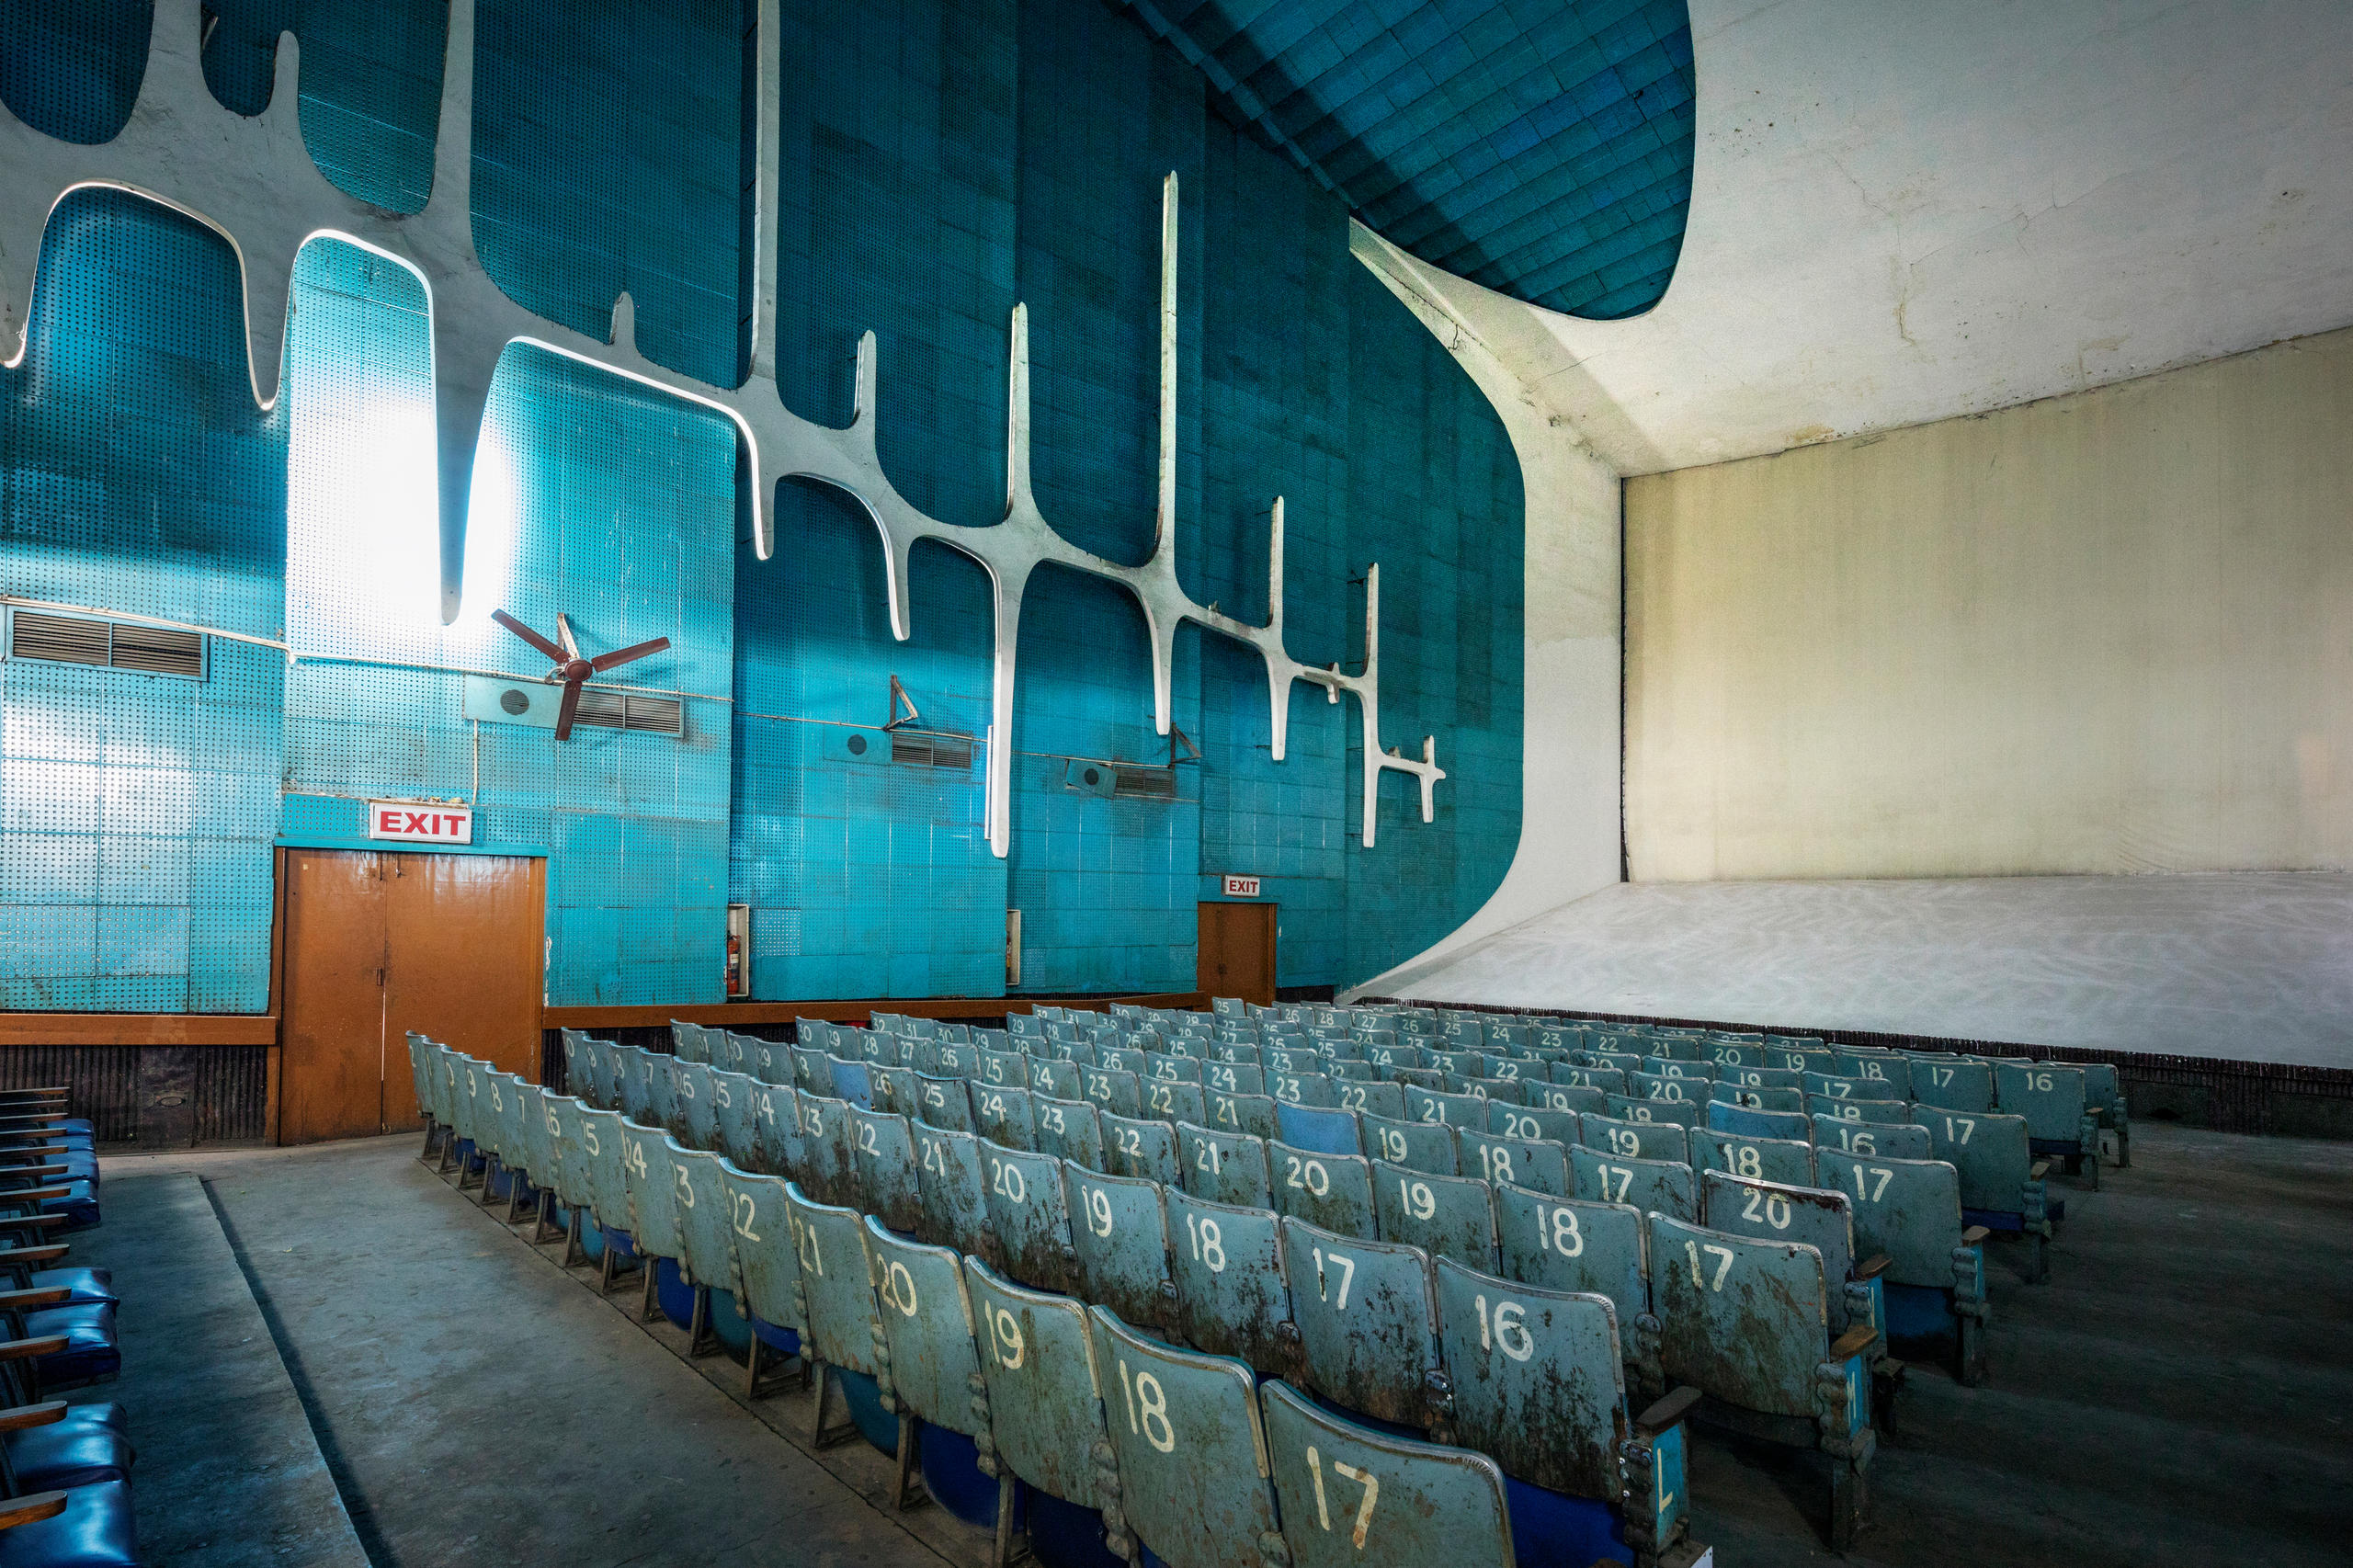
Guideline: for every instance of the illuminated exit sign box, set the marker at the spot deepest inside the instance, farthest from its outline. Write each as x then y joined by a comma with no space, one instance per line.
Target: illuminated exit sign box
420,822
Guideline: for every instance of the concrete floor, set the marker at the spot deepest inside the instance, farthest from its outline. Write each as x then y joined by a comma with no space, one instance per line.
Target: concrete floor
2179,1393
2248,967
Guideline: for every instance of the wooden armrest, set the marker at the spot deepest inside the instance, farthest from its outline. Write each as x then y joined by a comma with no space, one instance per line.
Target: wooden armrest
31,1153
27,1300
30,1221
34,1194
2037,1171
1854,1342
1665,1413
1874,1265
23,1349
1974,1235
32,1257
31,1509
59,1090
38,1119
31,1173
26,1416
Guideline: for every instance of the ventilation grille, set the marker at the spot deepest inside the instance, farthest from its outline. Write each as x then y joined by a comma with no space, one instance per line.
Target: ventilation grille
914,748
1151,783
626,710
124,645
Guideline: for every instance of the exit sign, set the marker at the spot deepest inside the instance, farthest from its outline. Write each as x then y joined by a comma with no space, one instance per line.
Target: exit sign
420,822
1242,887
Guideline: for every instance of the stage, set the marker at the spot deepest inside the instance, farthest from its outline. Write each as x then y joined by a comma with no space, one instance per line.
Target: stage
2253,967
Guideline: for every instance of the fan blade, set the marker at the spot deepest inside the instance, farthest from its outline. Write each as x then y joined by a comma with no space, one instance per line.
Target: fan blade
528,635
563,714
604,662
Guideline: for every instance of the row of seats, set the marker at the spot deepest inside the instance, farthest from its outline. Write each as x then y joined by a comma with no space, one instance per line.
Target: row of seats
64,1469
1157,1256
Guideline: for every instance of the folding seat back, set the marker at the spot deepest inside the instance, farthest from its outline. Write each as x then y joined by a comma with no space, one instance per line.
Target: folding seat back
653,1181
949,1059
1192,1459
1417,1145
1680,1047
1743,1320
1784,1159
2050,1096
1677,1109
1742,1123
734,1113
1112,1089
1045,1414
1576,1098
604,1074
1887,1112
1067,1129
1228,1006
1529,1123
1572,1245
1770,1211
1386,1501
661,1091
1855,1136
768,1060
1226,1264
687,1042
882,1148
1029,1216
829,1247
1636,1140
1671,1068
1367,1318
1453,1216
826,1169
1122,1059
919,1304
1445,1109
1737,1053
1909,1210
1537,1381
1224,1167
1000,1069
853,1081
1989,1154
1234,1078
895,1089
694,1104
1025,1026
1158,1066
1057,1079
951,1191
534,1134
776,1124
1883,1075
1400,1052
1325,1129
1003,1115
1756,1098
1660,1186
1461,1062
943,1102
1836,1087
1250,1114
1510,1091
1762,1078
812,1068
1333,1191
1607,1079
1119,1242
1138,1146
603,1147
729,1050
1506,1068
760,1228
1494,1158
1953,1084
573,1184
1172,1100
706,1231
1371,1098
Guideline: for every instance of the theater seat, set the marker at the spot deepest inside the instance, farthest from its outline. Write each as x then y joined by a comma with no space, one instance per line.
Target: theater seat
54,1445
89,1353
92,1528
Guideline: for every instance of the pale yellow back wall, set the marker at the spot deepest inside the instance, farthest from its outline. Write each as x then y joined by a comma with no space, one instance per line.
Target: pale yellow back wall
2103,633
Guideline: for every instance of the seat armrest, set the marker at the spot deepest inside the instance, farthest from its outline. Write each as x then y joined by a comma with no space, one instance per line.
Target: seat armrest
26,1416
31,1509
1854,1342
1664,1413
30,1221
32,1301
1974,1236
38,1119
1874,1265
24,1349
33,1193
31,1173
32,1257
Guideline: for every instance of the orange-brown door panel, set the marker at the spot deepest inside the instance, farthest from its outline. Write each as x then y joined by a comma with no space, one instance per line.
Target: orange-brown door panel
1235,952
333,1029
466,934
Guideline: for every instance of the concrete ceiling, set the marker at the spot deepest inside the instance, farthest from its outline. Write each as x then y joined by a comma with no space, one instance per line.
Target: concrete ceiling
1906,211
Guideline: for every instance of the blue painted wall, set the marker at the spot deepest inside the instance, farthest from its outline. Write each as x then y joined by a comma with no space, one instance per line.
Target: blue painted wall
942,160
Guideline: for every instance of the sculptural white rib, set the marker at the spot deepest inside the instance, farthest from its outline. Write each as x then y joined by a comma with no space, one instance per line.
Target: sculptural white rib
254,182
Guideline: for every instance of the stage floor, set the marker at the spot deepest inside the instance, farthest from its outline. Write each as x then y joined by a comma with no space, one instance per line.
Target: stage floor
2247,967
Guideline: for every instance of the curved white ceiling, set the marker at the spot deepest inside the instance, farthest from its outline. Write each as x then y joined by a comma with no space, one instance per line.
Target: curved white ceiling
1905,211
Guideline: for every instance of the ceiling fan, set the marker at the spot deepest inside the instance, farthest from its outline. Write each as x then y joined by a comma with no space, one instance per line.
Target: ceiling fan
570,667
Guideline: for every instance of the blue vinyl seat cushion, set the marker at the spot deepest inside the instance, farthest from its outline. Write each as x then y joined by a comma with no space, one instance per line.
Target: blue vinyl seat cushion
90,1351
67,1453
85,1284
95,1531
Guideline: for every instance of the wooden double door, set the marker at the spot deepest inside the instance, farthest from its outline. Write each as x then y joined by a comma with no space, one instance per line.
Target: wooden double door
1236,952
377,943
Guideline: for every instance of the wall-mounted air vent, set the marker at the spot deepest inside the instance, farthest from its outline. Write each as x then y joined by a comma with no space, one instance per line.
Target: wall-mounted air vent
931,748
121,644
627,711
1148,783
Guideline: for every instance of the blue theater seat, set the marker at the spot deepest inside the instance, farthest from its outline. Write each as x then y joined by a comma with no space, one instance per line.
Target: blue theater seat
84,1527
54,1445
